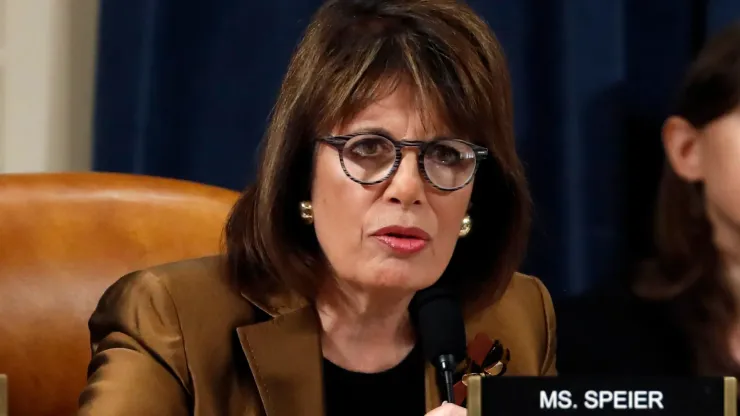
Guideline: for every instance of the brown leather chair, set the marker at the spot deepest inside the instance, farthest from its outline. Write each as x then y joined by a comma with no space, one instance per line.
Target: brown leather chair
64,238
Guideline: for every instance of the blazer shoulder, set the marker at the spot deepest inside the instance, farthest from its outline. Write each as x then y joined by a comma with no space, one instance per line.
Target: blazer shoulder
528,297
199,290
531,290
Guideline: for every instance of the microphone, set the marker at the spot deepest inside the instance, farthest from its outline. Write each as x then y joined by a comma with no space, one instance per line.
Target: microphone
440,327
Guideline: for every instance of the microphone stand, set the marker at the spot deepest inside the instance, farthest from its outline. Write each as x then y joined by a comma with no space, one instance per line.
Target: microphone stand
446,364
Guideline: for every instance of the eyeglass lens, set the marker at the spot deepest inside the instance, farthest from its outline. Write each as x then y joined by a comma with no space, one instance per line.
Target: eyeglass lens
371,158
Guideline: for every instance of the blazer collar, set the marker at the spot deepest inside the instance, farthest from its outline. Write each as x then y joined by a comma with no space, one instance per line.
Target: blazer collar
284,354
276,304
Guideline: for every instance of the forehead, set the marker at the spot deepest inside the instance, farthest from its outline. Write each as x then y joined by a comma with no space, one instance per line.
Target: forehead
401,113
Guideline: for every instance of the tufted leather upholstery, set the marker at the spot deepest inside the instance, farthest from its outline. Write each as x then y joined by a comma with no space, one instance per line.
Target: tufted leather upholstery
64,238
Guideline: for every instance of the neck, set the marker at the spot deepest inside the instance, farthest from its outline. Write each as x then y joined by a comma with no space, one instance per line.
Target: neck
726,238
364,330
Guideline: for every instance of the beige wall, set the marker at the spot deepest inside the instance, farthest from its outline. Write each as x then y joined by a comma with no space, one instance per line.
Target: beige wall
47,63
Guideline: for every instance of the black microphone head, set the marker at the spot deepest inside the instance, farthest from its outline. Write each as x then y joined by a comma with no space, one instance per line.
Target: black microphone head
437,316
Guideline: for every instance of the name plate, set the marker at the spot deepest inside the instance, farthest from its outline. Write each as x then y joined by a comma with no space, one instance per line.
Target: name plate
509,396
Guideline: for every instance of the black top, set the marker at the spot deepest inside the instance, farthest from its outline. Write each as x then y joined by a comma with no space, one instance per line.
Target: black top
397,391
617,333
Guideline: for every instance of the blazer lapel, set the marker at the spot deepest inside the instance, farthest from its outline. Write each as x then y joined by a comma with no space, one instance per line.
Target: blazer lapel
284,354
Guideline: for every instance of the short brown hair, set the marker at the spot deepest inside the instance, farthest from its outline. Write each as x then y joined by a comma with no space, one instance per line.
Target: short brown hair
686,270
352,53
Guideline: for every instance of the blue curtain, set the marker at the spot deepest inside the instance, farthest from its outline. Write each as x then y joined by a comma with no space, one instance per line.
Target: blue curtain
184,89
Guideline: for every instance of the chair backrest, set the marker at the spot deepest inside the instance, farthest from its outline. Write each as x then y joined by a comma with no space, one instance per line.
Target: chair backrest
64,238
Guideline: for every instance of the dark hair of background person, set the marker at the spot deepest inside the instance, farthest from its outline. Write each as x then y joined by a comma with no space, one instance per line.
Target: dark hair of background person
353,53
686,268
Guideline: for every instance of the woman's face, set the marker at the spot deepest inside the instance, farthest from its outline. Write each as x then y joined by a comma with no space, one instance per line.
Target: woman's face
399,234
719,149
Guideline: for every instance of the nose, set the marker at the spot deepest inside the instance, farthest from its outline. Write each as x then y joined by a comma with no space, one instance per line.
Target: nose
406,186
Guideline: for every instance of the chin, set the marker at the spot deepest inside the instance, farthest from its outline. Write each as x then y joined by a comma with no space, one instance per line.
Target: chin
395,279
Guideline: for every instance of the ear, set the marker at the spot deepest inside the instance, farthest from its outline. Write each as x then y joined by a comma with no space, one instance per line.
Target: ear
683,148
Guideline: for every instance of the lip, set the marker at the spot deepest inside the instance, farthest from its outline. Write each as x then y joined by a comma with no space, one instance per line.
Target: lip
403,240
407,232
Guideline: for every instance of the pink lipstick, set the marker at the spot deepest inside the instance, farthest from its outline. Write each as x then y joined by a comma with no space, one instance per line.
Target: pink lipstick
403,240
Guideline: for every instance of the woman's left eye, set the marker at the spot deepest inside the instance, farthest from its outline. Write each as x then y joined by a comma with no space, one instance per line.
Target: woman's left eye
445,155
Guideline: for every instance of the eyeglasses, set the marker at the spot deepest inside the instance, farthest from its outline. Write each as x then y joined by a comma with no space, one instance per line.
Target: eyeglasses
369,159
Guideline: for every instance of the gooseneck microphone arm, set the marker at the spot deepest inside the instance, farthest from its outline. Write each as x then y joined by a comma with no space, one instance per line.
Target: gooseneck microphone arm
446,364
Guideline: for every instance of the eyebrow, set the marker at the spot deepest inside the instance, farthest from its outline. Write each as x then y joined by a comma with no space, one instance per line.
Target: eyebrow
374,130
384,132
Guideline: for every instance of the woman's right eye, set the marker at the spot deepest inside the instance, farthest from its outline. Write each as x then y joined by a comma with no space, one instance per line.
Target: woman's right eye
368,147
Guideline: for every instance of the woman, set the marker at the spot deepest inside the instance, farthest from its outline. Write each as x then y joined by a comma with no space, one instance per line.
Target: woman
391,139
681,317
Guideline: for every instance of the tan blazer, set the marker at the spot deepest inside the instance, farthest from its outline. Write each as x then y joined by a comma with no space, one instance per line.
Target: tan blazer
179,339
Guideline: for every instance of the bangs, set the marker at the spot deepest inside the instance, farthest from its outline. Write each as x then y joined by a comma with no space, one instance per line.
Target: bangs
375,67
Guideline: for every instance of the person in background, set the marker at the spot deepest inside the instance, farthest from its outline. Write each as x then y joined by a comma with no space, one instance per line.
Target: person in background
388,167
681,315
